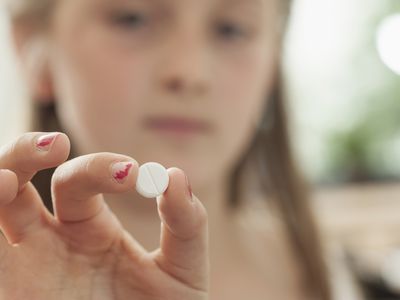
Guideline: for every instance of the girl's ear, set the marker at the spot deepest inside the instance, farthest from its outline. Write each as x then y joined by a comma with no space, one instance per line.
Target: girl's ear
33,55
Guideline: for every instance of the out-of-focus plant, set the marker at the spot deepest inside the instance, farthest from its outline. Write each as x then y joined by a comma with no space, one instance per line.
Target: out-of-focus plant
362,153
365,150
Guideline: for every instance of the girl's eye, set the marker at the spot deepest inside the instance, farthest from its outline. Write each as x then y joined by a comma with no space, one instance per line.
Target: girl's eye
230,31
129,20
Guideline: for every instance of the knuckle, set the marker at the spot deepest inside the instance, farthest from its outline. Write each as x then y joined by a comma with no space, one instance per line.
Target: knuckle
17,150
93,168
16,153
22,143
14,147
84,168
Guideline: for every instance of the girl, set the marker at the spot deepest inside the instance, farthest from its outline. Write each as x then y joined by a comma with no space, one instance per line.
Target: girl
193,85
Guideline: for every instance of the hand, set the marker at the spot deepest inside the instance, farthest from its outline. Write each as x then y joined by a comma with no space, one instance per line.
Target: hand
82,251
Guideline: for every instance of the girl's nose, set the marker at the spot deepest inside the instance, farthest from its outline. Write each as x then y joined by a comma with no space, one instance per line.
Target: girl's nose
186,64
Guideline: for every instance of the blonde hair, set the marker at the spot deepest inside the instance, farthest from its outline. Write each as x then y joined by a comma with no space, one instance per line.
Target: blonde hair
270,150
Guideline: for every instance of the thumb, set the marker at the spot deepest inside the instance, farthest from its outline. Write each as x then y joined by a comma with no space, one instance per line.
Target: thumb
183,249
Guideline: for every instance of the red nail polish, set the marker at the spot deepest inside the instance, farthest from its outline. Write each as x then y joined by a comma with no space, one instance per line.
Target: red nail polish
121,170
44,142
189,189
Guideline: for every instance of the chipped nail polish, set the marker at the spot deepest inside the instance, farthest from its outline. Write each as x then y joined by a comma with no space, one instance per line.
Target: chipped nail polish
121,170
45,142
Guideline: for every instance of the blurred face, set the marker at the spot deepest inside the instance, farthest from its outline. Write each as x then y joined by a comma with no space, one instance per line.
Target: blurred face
179,82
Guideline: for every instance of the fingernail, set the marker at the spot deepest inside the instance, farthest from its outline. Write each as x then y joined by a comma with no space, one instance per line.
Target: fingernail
45,142
189,189
120,171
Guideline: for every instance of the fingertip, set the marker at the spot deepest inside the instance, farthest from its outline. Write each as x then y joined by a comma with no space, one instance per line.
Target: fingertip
177,190
180,181
8,186
62,147
178,208
53,148
125,173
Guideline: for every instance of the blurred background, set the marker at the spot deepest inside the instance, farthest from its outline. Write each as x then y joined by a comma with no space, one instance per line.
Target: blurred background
343,67
342,64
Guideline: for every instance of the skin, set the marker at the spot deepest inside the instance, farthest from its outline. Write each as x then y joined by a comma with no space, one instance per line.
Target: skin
177,63
83,252
109,72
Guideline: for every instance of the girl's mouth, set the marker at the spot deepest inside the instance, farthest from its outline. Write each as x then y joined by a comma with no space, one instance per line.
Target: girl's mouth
177,125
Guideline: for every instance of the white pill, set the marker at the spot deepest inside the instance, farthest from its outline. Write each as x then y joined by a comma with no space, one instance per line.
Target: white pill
152,180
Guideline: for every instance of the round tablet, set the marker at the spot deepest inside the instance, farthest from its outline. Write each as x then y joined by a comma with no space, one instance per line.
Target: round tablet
152,180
